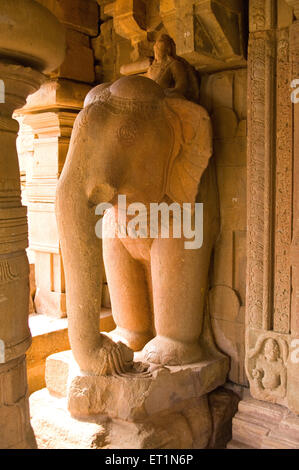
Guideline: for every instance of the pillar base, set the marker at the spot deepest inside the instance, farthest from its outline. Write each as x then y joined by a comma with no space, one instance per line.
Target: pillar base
49,303
177,407
15,428
261,425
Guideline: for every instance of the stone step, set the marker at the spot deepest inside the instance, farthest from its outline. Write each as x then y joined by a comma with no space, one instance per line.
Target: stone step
261,425
248,432
262,411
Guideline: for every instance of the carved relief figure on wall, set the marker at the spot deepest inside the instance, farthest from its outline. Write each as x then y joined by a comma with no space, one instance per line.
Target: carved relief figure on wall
267,369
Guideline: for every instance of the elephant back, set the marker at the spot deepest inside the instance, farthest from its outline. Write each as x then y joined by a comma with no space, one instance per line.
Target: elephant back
136,95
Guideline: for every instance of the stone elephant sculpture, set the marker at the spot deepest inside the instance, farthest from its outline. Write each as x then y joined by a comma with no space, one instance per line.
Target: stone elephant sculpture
130,139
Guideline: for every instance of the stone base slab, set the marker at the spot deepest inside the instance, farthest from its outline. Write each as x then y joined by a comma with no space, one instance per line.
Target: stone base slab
198,424
261,425
175,407
50,303
131,398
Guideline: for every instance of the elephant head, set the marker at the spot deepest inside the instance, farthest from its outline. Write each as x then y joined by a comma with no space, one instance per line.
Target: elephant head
165,143
129,139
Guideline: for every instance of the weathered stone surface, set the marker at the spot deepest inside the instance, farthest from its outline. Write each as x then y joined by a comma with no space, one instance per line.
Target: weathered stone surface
58,430
23,38
224,94
206,42
293,365
131,398
261,15
223,404
80,15
58,94
111,51
79,61
168,417
173,430
271,362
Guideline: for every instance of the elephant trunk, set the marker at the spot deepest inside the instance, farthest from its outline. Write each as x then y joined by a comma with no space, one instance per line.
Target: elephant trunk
83,266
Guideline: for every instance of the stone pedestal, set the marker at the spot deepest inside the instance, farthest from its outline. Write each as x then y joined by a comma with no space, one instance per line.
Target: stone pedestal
261,425
176,407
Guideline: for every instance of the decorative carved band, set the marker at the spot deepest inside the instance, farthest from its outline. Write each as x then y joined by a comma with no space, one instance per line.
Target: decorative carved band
260,199
284,183
294,52
13,233
117,105
6,273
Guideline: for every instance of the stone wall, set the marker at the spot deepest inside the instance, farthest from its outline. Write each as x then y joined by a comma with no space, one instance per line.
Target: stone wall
224,95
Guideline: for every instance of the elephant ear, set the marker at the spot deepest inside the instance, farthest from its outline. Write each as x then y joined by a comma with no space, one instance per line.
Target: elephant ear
192,148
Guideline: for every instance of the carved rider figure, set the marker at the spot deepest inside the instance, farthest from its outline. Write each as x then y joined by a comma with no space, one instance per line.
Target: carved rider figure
172,73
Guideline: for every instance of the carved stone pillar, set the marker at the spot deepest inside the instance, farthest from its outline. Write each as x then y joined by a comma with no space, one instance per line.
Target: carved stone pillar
22,41
293,386
270,215
272,333
51,113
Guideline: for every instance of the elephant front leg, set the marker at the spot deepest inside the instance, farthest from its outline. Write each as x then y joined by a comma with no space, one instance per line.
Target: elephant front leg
180,278
95,353
129,295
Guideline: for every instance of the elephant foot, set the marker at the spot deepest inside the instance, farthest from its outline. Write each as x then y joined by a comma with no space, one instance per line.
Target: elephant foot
169,352
133,340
